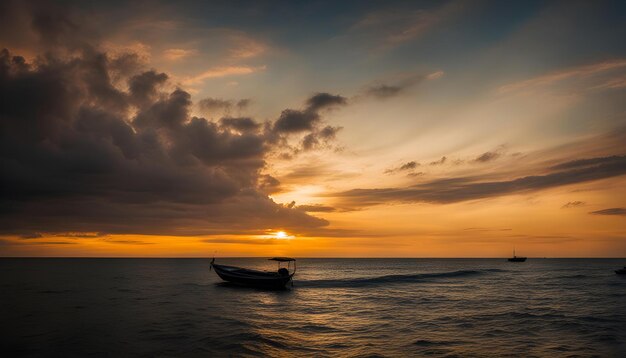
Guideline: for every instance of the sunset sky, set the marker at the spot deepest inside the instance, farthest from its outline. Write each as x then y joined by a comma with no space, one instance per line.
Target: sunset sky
313,128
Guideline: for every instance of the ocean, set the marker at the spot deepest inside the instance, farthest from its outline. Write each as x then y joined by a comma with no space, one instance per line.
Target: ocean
336,307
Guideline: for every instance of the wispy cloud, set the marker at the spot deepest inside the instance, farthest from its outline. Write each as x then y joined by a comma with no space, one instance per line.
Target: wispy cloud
217,72
408,166
439,162
317,208
555,77
128,242
395,87
175,54
457,189
394,27
573,204
610,211
240,241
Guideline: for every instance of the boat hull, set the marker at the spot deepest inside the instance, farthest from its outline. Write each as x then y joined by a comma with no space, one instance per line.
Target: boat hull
517,259
251,278
621,272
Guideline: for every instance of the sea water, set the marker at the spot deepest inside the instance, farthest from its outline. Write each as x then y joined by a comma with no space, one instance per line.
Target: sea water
336,307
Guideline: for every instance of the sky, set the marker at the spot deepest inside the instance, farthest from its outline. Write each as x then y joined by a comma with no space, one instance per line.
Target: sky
313,128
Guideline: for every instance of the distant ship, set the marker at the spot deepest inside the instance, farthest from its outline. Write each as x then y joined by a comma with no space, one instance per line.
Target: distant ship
516,258
621,271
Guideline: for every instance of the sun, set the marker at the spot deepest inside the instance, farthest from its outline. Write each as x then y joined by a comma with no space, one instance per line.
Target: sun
281,235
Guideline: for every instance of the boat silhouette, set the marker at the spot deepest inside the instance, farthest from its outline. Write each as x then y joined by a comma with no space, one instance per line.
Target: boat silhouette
256,278
516,258
621,271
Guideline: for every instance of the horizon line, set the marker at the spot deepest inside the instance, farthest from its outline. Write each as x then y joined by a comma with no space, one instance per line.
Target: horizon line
300,258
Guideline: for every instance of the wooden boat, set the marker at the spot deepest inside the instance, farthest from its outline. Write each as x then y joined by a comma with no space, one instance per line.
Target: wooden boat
621,271
516,258
256,278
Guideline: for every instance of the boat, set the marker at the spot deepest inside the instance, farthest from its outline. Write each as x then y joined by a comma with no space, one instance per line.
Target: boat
256,278
621,271
516,258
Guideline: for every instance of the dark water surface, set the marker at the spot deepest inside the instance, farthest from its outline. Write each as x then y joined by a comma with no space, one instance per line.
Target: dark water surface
337,307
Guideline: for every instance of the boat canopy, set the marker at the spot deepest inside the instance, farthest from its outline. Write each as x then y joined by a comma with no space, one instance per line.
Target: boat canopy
282,259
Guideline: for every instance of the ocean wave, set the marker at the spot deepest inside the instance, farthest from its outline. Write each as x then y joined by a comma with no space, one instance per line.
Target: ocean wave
430,343
391,279
573,276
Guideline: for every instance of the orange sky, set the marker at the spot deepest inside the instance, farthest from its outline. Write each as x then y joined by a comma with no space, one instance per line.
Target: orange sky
392,130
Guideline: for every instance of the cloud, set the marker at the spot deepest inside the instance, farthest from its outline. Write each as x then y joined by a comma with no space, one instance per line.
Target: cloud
268,184
318,208
319,138
573,204
294,121
563,75
386,90
220,105
52,243
451,190
613,83
487,157
408,166
241,124
321,101
389,28
611,211
144,87
175,54
214,104
221,71
128,242
415,174
439,162
82,155
583,163
251,241
244,47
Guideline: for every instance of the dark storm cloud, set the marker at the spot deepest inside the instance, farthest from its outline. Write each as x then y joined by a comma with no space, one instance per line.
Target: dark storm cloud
45,25
611,211
471,188
74,159
242,124
268,184
144,87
